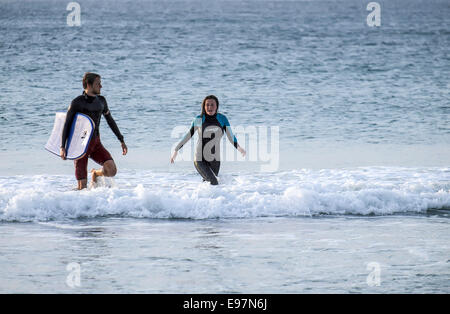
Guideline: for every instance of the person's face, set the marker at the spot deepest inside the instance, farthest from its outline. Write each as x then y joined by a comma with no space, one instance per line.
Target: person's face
97,86
210,107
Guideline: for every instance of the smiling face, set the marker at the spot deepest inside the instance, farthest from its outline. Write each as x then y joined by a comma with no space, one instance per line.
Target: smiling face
210,107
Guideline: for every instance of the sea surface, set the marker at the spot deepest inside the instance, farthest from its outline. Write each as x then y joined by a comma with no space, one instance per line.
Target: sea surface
345,187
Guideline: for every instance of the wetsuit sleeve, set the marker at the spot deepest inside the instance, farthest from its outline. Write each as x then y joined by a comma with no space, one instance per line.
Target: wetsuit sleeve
112,124
230,135
73,109
187,137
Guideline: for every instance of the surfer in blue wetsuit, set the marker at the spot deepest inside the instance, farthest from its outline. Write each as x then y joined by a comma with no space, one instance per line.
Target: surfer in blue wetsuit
93,105
210,126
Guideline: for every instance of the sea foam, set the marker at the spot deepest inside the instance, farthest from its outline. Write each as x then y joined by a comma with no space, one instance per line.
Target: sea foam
359,191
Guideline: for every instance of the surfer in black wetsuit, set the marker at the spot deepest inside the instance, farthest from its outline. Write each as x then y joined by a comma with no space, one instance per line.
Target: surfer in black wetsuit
93,105
210,126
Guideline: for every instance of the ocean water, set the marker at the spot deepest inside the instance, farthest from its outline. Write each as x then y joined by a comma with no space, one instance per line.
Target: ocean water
358,196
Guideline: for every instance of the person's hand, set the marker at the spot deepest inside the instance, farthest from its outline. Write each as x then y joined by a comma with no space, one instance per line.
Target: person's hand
242,151
174,155
124,148
63,153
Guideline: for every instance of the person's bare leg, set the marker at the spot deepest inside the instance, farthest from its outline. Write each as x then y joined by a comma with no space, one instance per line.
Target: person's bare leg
109,169
82,184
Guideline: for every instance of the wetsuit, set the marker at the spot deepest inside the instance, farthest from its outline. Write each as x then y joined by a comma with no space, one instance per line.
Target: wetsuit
94,107
207,153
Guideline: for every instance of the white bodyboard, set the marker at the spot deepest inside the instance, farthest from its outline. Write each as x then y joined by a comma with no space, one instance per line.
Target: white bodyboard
79,136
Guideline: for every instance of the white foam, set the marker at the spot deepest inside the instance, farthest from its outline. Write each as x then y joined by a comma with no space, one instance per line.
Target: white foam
361,191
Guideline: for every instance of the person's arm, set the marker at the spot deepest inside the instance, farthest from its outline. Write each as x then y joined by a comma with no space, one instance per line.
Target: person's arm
231,137
71,111
184,140
113,125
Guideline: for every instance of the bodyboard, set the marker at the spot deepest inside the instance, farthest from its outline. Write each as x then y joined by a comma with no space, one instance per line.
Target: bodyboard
79,138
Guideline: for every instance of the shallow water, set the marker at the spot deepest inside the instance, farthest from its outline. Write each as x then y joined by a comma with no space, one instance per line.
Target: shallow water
150,194
359,195
263,255
322,231
313,68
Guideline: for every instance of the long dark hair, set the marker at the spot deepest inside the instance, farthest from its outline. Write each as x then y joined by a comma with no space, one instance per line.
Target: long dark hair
204,102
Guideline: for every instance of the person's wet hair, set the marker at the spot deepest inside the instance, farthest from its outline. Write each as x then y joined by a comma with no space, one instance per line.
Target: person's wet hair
89,78
204,102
